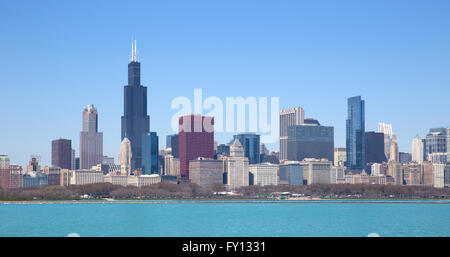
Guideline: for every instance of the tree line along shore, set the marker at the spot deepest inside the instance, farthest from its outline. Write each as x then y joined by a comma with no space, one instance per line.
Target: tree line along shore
192,191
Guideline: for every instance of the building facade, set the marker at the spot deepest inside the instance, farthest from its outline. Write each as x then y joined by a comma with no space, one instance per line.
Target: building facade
355,141
316,171
150,153
289,117
417,150
236,167
135,121
340,156
264,174
375,147
251,144
310,141
413,174
195,139
172,143
5,172
438,175
84,177
436,142
91,141
35,179
206,172
290,174
389,136
62,153
54,175
125,157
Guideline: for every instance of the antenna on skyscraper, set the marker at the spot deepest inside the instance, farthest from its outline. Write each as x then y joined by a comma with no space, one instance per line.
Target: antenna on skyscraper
135,50
131,56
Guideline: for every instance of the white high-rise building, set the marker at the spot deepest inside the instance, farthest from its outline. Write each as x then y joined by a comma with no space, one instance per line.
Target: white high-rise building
375,169
417,150
438,175
125,157
389,136
289,117
171,164
236,166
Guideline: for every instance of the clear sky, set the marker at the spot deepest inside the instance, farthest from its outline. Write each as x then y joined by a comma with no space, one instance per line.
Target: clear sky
58,56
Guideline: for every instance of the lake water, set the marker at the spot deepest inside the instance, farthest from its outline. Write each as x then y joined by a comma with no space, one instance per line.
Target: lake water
224,219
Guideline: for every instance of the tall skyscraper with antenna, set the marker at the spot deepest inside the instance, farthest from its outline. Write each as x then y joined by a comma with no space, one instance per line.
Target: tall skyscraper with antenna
135,121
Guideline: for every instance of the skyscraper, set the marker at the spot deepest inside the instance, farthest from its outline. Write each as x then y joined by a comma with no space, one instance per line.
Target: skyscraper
310,141
72,160
172,142
125,157
394,152
135,121
91,141
251,144
237,166
417,150
436,141
33,166
389,136
356,147
375,148
61,153
289,117
195,139
340,156
150,153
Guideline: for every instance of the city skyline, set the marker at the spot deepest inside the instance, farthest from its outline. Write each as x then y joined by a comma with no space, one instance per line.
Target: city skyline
385,102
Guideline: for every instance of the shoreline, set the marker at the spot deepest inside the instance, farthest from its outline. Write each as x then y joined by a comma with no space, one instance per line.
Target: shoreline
249,201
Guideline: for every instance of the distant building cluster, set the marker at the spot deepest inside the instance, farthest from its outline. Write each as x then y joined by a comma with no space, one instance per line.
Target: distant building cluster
307,153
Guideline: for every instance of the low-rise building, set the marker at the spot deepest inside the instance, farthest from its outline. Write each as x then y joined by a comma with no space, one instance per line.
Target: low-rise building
264,174
290,174
206,172
83,177
412,174
116,179
65,177
34,179
144,180
316,171
54,175
15,179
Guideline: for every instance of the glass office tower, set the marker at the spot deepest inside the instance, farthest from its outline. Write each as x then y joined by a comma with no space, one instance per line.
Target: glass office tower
150,153
356,147
251,144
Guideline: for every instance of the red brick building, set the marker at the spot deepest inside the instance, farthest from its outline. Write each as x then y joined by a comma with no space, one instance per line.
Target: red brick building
195,139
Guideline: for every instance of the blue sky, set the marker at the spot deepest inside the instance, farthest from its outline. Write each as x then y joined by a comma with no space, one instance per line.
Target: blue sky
58,56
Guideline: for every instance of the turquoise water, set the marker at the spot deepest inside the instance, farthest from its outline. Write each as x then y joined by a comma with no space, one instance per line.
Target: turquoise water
225,219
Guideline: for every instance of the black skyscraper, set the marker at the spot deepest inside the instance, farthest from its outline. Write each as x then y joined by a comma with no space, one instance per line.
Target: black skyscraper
374,148
135,121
